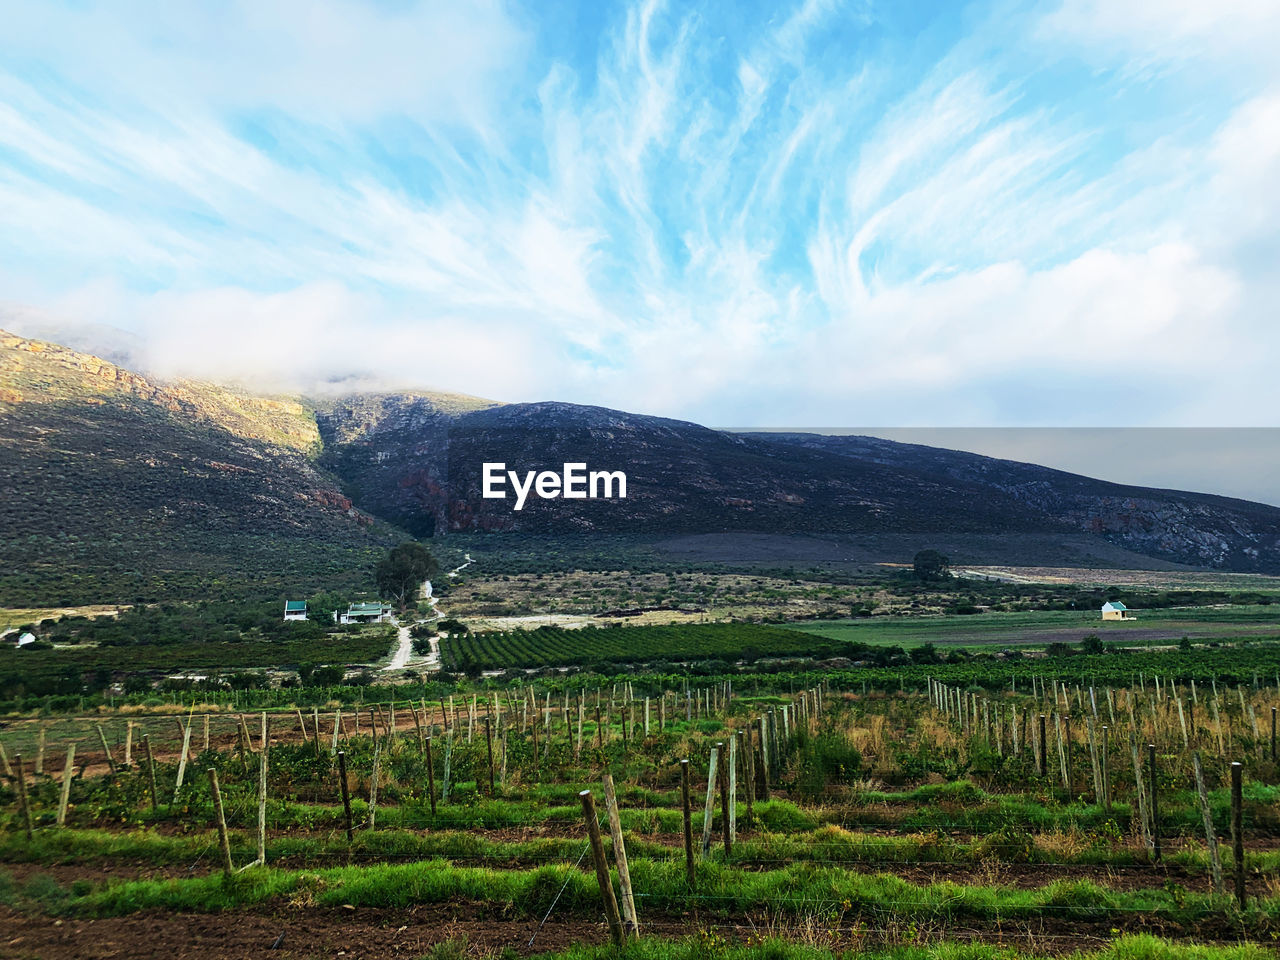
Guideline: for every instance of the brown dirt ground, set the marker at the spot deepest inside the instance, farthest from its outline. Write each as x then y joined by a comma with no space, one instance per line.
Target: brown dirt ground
381,934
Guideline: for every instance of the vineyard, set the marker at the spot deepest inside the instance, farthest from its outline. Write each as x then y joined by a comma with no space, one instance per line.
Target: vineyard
555,646
896,813
68,669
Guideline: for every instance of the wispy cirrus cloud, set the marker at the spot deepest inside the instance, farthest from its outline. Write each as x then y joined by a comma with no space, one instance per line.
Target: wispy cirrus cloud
836,212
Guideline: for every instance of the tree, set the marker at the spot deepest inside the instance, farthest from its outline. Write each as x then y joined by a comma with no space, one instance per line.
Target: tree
401,572
1092,644
925,653
931,565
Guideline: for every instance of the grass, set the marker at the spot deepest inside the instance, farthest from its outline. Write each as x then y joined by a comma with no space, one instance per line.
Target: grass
1134,947
1046,626
824,844
719,891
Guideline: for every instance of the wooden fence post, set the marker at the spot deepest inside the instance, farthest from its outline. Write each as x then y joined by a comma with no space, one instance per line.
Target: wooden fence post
488,742
1154,801
1106,772
182,762
23,802
620,856
734,754
602,868
688,820
537,760
709,810
102,735
1043,754
346,795
1237,829
262,799
431,779
1210,836
723,785
1144,815
761,762
448,766
373,785
68,768
151,770
223,839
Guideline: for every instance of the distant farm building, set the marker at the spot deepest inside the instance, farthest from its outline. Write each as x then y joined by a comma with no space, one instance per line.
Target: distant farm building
295,609
366,613
1115,610
25,639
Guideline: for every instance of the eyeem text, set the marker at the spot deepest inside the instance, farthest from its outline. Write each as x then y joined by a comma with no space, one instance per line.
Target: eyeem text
573,482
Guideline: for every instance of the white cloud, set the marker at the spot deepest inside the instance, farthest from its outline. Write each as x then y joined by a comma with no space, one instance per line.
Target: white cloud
807,241
325,59
1150,34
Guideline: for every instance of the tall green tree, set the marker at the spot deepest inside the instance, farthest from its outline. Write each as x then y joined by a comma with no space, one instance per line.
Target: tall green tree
400,573
931,565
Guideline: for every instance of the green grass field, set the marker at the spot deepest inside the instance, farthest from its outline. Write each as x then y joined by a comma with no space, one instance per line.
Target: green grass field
1044,627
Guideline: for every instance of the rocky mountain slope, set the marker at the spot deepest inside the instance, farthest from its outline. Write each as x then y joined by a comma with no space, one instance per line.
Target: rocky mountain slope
1192,528
116,488
419,465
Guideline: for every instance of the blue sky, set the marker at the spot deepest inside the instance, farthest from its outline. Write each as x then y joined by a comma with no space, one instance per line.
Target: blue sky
822,213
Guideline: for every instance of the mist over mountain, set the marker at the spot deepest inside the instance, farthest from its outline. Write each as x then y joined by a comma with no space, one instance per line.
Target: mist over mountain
115,483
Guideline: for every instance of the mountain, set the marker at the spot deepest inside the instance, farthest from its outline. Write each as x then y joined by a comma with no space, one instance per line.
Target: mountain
119,487
419,465
115,488
1191,528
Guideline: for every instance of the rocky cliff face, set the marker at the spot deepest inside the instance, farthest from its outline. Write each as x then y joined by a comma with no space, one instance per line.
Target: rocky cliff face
92,454
115,488
32,371
408,459
1191,528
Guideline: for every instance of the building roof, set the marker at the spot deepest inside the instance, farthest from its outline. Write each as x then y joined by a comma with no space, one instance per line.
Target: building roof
295,606
366,609
1114,605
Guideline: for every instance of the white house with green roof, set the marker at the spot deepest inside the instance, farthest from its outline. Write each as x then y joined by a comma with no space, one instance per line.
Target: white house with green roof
295,609
1115,610
374,612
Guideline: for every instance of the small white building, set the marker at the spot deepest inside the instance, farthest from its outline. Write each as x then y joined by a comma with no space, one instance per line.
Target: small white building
1115,610
295,609
26,638
366,613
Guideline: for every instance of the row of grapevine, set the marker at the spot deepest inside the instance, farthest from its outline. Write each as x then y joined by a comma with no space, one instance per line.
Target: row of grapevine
557,646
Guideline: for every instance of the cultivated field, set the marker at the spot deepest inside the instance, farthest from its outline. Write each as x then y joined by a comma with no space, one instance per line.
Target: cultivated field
1054,626
1042,807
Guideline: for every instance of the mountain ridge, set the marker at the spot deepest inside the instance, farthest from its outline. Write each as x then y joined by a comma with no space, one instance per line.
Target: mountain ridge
104,469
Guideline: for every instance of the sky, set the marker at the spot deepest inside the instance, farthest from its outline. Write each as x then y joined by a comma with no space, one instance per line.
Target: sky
890,214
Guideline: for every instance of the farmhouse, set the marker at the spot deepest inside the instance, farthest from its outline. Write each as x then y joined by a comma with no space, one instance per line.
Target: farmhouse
25,639
295,609
1115,610
366,613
